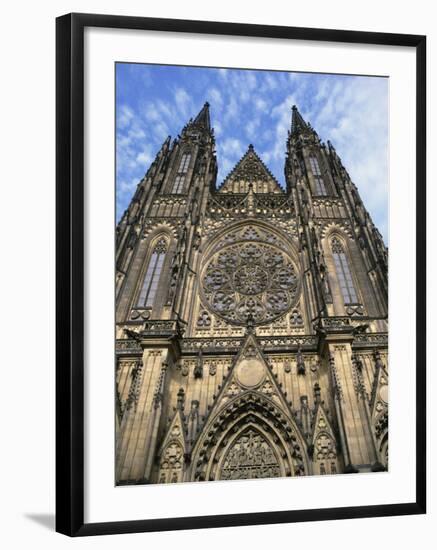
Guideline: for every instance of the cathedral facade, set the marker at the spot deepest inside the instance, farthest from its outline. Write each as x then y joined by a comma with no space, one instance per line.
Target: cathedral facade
251,319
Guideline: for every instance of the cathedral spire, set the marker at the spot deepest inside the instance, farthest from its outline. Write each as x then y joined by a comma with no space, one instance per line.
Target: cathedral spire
202,119
297,122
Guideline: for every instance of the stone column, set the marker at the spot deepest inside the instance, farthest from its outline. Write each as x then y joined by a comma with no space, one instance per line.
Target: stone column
355,433
135,442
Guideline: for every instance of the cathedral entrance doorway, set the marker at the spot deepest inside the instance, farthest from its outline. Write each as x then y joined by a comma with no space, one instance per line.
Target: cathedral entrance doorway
249,438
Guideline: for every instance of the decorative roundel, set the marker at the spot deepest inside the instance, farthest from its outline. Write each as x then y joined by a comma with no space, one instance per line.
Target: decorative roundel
250,279
250,372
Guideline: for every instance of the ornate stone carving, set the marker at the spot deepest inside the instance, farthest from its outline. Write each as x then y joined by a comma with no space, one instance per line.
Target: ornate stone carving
136,374
325,447
268,343
356,309
296,318
171,463
204,320
250,279
127,347
250,457
138,314
300,362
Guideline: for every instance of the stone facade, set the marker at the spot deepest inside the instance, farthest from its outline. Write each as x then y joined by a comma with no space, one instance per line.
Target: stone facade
251,321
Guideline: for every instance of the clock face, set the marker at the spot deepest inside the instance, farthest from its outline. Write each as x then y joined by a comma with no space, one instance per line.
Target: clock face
254,279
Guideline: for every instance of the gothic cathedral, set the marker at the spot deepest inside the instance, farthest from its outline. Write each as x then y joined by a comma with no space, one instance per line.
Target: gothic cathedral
251,319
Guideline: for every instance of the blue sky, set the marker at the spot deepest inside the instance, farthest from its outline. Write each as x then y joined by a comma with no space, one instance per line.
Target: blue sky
248,106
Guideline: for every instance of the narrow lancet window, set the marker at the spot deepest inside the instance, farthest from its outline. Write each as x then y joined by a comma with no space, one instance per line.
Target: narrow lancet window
318,178
185,162
178,185
153,273
343,271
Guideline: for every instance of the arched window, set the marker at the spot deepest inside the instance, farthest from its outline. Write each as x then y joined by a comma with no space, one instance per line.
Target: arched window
153,273
343,272
178,185
318,179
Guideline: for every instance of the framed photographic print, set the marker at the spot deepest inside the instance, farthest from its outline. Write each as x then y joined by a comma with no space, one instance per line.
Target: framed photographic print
240,274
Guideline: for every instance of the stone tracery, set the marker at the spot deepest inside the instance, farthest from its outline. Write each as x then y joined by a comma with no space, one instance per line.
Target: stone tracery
250,278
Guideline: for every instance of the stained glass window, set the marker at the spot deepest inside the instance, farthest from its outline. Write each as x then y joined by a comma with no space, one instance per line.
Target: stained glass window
344,275
318,179
185,162
179,181
178,184
153,273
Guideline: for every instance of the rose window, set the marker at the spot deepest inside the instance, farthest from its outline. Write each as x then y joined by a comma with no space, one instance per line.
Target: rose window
250,279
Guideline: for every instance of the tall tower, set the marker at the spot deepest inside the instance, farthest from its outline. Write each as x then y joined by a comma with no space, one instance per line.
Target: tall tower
251,320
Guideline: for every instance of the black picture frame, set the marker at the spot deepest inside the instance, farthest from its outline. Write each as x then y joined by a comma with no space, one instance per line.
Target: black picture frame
70,273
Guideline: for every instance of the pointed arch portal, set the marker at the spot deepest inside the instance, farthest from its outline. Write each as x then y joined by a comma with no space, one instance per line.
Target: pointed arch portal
249,438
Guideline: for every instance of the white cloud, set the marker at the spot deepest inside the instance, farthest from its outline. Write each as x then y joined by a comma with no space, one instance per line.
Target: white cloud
215,98
261,104
183,102
231,111
270,83
251,128
231,147
218,129
145,157
124,116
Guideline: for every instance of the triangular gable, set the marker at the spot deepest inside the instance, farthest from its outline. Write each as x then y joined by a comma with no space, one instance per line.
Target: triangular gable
175,432
323,446
321,423
172,453
250,170
250,371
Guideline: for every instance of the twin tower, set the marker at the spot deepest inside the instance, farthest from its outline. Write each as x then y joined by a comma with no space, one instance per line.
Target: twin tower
251,320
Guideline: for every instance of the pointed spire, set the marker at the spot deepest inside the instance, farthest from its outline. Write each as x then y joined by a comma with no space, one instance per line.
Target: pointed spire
203,119
297,122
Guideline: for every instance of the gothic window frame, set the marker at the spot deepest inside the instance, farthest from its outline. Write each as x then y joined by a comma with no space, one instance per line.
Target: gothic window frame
344,272
179,181
150,272
320,187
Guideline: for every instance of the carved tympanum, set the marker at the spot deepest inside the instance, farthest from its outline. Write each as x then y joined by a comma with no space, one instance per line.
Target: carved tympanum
250,457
